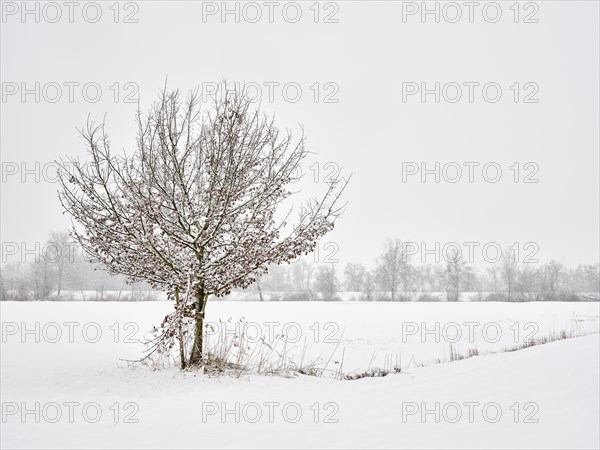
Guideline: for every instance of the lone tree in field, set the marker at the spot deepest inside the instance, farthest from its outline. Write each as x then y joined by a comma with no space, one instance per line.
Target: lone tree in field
194,210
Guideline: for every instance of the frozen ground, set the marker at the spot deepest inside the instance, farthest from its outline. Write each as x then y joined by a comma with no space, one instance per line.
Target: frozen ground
546,396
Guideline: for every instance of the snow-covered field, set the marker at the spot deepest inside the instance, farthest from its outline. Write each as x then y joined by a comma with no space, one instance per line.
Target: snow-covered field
64,384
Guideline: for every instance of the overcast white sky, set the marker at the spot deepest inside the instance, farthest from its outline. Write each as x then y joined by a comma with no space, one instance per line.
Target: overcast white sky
370,131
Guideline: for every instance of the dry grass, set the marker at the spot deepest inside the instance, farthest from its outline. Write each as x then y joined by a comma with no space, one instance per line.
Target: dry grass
234,353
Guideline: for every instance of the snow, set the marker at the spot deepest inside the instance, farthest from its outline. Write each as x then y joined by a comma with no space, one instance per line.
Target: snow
556,382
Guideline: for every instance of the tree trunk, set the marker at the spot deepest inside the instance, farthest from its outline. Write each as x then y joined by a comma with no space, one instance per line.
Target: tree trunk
196,355
180,338
259,291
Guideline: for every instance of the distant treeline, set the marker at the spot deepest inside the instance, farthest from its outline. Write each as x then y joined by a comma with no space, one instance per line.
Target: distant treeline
395,278
60,271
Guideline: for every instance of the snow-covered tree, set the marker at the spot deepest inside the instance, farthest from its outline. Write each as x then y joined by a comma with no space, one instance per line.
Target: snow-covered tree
195,210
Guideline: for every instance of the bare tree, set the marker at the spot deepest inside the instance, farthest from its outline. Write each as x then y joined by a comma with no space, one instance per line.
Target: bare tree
302,272
493,272
392,266
458,275
590,277
195,210
422,277
369,285
354,276
526,280
41,277
508,270
5,290
326,282
553,270
454,268
15,284
60,253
